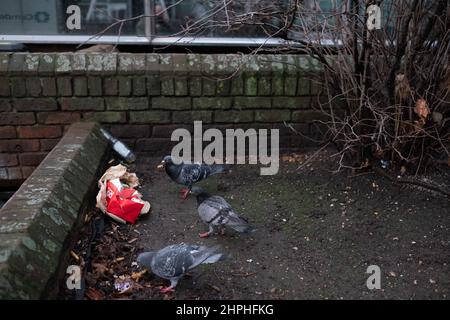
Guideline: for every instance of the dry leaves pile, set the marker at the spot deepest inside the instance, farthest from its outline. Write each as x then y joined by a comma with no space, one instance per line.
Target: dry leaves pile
112,272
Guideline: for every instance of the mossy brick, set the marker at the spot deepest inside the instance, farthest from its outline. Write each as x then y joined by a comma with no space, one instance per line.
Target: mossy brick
46,64
212,103
18,87
303,86
110,86
81,104
227,64
106,116
277,85
308,116
153,85
264,86
139,86
5,105
5,90
63,63
31,64
237,85
16,64
191,116
4,62
265,64
252,103
171,103
80,86
272,115
209,87
291,102
181,86
315,87
33,86
251,64
152,64
48,85
79,63
131,63
167,86
251,84
180,63
94,63
230,116
94,86
208,64
194,64
290,64
223,87
277,63
195,86
290,85
124,86
109,63
38,104
122,103
150,117
64,86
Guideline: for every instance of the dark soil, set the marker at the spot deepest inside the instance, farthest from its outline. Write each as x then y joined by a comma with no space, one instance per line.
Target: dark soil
317,232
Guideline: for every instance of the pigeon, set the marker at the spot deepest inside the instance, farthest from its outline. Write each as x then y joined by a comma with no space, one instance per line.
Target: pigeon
215,211
188,174
173,261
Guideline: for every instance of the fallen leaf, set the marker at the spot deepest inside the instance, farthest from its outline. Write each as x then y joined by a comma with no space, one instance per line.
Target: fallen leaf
74,255
94,294
421,108
136,276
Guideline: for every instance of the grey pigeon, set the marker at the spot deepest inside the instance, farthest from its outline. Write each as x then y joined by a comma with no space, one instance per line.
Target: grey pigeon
217,212
189,174
173,261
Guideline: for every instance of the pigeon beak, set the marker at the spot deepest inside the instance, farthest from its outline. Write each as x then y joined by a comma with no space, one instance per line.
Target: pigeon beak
161,165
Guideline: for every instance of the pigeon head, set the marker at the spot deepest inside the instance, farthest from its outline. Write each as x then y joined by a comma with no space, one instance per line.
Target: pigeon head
145,259
167,160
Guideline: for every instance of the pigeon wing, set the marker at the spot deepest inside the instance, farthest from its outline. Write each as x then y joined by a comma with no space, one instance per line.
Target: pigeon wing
173,261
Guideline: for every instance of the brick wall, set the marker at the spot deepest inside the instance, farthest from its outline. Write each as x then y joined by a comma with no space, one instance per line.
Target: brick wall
141,98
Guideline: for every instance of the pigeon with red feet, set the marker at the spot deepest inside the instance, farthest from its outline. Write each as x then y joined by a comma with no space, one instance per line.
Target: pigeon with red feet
217,212
190,173
173,261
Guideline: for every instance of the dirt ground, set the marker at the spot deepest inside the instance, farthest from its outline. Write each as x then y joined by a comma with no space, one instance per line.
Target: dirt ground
317,232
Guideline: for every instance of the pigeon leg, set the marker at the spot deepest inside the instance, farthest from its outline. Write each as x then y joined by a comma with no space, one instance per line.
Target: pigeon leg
208,233
171,288
185,192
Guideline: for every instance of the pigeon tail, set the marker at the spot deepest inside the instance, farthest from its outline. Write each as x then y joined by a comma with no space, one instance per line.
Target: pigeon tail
215,258
243,228
206,255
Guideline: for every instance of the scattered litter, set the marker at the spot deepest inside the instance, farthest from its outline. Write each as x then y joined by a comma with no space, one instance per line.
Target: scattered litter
74,255
117,198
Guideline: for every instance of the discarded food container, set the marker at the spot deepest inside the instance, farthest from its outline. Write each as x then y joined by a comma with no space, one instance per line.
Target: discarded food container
117,198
